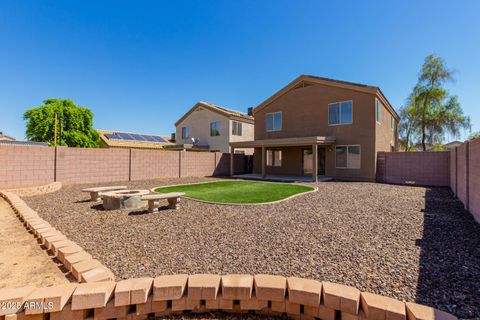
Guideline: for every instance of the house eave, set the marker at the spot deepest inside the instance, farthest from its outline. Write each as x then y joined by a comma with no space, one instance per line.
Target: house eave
285,142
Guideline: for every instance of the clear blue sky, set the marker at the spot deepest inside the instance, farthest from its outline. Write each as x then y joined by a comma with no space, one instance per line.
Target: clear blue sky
139,65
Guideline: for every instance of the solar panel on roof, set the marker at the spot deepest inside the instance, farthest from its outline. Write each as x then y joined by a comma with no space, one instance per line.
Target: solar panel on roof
134,137
137,137
148,138
112,136
159,139
125,136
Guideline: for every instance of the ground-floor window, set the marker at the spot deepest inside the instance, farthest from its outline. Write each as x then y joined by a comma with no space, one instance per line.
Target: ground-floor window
348,157
274,158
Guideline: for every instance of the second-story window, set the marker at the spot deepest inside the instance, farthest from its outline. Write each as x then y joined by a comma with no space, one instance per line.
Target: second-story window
340,113
185,132
236,128
378,110
215,128
392,123
274,121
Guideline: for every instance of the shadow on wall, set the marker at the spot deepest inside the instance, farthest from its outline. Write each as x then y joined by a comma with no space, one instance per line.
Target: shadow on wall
449,273
242,163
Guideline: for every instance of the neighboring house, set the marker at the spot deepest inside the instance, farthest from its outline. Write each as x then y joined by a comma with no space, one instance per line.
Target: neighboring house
23,143
209,125
118,139
4,137
452,145
7,140
318,126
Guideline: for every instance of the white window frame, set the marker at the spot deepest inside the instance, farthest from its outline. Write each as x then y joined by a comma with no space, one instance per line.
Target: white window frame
377,104
273,115
339,114
187,129
238,124
348,145
392,123
273,158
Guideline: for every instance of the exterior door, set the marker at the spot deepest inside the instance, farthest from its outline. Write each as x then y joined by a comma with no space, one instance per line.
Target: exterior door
307,161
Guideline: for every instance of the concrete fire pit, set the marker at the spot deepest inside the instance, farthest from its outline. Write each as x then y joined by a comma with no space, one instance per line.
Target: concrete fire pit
124,199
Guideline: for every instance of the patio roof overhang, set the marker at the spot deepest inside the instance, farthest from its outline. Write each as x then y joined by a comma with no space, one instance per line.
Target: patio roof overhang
284,142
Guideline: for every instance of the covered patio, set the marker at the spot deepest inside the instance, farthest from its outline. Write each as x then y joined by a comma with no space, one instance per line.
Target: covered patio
267,144
279,178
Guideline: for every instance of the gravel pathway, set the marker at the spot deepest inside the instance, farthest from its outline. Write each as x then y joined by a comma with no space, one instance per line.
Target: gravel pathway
410,243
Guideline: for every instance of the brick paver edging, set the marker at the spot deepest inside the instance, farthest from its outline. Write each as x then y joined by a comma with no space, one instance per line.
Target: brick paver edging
36,190
314,189
143,298
76,260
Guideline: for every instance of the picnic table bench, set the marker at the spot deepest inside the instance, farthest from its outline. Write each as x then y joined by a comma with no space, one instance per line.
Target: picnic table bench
153,200
95,192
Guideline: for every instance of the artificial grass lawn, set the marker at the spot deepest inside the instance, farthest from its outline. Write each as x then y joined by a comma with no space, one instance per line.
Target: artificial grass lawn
237,191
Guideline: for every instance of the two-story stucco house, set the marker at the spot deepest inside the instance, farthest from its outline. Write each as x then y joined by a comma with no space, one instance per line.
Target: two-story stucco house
214,127
322,127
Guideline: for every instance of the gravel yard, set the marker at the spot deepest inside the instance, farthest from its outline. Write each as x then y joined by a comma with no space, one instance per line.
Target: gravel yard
411,243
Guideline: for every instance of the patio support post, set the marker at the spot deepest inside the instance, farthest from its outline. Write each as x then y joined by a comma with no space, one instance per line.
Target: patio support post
264,156
232,157
315,163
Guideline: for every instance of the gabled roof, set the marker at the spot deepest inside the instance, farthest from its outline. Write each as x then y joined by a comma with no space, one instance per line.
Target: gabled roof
5,137
309,79
229,113
119,143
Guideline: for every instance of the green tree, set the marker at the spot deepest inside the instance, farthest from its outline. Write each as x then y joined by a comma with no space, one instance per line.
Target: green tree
74,124
438,112
474,135
409,122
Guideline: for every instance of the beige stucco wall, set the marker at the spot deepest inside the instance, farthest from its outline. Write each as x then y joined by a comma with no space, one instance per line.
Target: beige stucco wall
385,136
199,123
247,135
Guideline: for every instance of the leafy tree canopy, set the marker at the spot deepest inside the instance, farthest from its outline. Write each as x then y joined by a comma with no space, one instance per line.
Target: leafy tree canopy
474,135
74,124
430,112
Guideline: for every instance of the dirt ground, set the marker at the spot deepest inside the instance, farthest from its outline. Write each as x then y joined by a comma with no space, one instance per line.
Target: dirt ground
22,260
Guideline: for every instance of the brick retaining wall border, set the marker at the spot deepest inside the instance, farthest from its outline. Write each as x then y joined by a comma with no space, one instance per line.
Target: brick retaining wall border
100,297
36,190
76,260
142,298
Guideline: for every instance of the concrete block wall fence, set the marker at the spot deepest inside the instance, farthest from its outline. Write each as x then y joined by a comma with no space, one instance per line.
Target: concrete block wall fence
414,168
458,169
465,175
22,166
87,165
26,166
